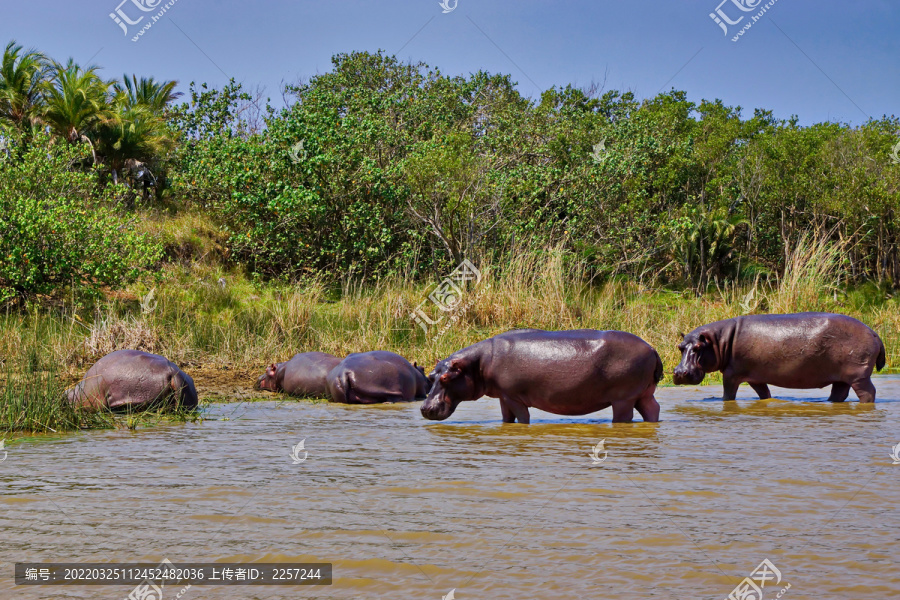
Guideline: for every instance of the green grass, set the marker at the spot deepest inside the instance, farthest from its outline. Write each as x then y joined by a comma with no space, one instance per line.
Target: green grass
34,401
196,322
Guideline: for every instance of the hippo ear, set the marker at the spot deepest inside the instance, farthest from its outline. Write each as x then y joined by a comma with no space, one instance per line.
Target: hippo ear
704,340
682,335
271,370
454,369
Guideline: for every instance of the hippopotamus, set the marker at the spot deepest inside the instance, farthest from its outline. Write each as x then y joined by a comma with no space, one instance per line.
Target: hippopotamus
801,351
131,379
378,376
561,372
304,375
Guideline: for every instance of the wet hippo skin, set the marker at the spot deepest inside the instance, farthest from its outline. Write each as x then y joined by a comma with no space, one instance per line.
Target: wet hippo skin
374,377
131,379
561,372
801,351
304,375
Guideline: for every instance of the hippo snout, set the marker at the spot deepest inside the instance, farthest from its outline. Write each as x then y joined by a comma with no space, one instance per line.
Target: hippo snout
437,408
435,412
687,376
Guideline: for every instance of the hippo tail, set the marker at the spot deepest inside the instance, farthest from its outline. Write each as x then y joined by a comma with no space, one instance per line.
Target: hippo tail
182,385
882,359
658,373
340,386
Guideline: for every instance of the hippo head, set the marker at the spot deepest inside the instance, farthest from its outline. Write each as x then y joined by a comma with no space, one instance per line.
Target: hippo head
453,380
698,357
266,381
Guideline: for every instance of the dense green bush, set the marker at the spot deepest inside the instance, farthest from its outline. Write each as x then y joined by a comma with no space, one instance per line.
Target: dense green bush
403,168
60,230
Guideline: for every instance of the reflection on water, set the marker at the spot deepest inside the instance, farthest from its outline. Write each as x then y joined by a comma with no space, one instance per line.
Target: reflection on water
408,508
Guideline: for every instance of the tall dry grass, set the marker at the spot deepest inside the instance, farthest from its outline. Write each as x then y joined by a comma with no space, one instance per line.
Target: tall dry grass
204,315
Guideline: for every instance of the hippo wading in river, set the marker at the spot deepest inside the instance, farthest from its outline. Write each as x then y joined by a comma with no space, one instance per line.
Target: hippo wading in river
374,377
131,379
305,374
801,351
560,372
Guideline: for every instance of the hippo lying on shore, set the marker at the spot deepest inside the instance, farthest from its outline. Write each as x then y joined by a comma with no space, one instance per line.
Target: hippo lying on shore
373,377
560,372
304,375
801,351
131,379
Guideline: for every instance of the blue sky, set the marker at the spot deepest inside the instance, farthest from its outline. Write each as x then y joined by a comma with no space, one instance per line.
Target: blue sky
824,60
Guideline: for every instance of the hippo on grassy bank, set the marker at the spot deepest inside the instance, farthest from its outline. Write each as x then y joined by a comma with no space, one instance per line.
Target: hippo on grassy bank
801,351
304,375
560,372
131,379
378,376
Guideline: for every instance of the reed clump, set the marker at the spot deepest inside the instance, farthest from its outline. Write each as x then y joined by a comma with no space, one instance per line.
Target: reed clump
204,315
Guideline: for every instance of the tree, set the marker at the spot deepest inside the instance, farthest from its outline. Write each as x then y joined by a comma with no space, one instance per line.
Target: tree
146,92
131,133
22,77
77,99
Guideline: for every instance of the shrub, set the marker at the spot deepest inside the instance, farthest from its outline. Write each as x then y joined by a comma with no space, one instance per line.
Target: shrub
59,231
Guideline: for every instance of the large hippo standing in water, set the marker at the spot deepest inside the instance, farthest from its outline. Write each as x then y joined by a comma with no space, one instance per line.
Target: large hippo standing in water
378,376
560,372
304,375
802,350
135,380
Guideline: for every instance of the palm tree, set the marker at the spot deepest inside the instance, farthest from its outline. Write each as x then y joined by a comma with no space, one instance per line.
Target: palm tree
147,92
76,101
131,133
703,245
22,77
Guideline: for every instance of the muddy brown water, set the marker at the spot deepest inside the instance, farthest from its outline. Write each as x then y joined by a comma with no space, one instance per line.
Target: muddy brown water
407,508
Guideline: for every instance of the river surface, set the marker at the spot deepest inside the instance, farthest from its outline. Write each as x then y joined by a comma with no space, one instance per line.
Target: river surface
408,508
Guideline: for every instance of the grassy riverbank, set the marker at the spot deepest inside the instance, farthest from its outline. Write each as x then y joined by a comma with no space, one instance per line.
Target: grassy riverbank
222,329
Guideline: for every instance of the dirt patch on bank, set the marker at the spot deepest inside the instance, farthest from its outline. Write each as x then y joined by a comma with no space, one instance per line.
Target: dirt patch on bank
224,383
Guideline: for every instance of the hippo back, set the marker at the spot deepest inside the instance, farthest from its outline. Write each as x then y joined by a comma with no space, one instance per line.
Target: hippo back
373,377
135,379
306,374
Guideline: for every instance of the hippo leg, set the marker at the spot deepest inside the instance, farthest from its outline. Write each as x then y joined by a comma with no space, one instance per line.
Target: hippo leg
730,387
762,390
513,410
647,406
864,389
623,412
839,391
